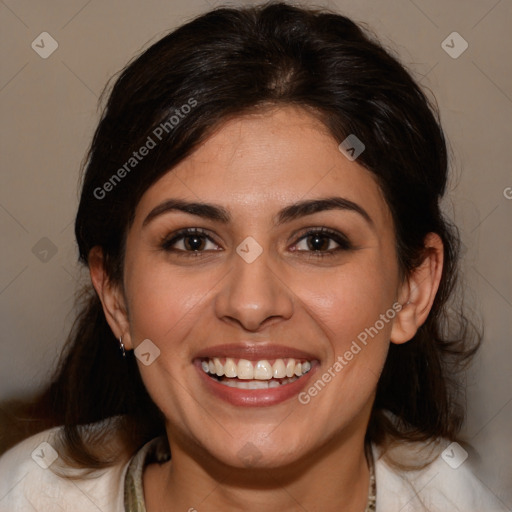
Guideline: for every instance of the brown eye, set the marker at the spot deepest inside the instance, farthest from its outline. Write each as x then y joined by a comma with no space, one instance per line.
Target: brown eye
194,242
191,240
322,241
318,242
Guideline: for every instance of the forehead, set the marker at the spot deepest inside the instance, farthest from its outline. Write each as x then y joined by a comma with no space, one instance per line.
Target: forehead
266,160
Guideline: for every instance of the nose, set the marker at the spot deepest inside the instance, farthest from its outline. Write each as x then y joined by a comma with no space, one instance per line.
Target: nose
253,296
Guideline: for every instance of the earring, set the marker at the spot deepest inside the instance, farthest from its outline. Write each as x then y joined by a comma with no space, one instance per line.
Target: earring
121,346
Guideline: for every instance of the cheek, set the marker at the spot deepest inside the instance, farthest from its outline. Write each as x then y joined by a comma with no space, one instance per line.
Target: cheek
354,308
161,303
350,301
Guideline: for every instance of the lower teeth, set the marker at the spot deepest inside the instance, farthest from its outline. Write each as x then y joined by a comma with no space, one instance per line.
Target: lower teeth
256,384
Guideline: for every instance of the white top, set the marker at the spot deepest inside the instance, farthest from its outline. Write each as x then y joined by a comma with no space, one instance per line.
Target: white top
28,482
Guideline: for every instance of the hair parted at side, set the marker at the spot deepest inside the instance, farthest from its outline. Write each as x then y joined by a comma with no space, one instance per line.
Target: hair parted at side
225,63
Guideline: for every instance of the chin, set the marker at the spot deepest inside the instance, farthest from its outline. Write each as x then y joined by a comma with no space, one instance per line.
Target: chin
253,452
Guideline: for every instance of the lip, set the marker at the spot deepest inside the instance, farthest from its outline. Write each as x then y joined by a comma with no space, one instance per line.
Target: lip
254,352
256,397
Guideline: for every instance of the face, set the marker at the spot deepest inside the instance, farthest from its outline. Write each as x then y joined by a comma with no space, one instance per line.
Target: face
269,257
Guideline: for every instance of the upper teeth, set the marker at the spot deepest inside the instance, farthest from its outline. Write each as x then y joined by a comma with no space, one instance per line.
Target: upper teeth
259,370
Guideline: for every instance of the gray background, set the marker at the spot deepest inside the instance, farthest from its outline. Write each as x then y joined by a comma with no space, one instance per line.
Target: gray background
49,109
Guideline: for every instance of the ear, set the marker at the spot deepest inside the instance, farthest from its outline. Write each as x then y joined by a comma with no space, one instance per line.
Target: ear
111,297
418,291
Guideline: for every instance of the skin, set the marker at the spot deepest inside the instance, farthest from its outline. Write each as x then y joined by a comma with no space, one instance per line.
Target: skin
311,455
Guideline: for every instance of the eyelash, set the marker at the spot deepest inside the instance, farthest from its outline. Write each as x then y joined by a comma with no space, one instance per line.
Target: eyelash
168,242
343,243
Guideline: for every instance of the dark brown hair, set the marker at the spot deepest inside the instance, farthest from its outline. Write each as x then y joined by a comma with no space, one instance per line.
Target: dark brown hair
225,63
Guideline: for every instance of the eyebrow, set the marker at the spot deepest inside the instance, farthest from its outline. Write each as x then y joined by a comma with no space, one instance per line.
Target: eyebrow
310,206
287,214
204,210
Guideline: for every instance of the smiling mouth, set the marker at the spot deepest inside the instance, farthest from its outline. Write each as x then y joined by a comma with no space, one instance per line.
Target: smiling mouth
262,374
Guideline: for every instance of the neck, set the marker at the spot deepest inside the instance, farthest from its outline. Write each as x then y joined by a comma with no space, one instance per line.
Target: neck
335,477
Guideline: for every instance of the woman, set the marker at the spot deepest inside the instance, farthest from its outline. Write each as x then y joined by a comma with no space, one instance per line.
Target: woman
271,269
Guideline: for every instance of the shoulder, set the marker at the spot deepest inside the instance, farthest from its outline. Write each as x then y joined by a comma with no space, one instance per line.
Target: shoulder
34,477
448,483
